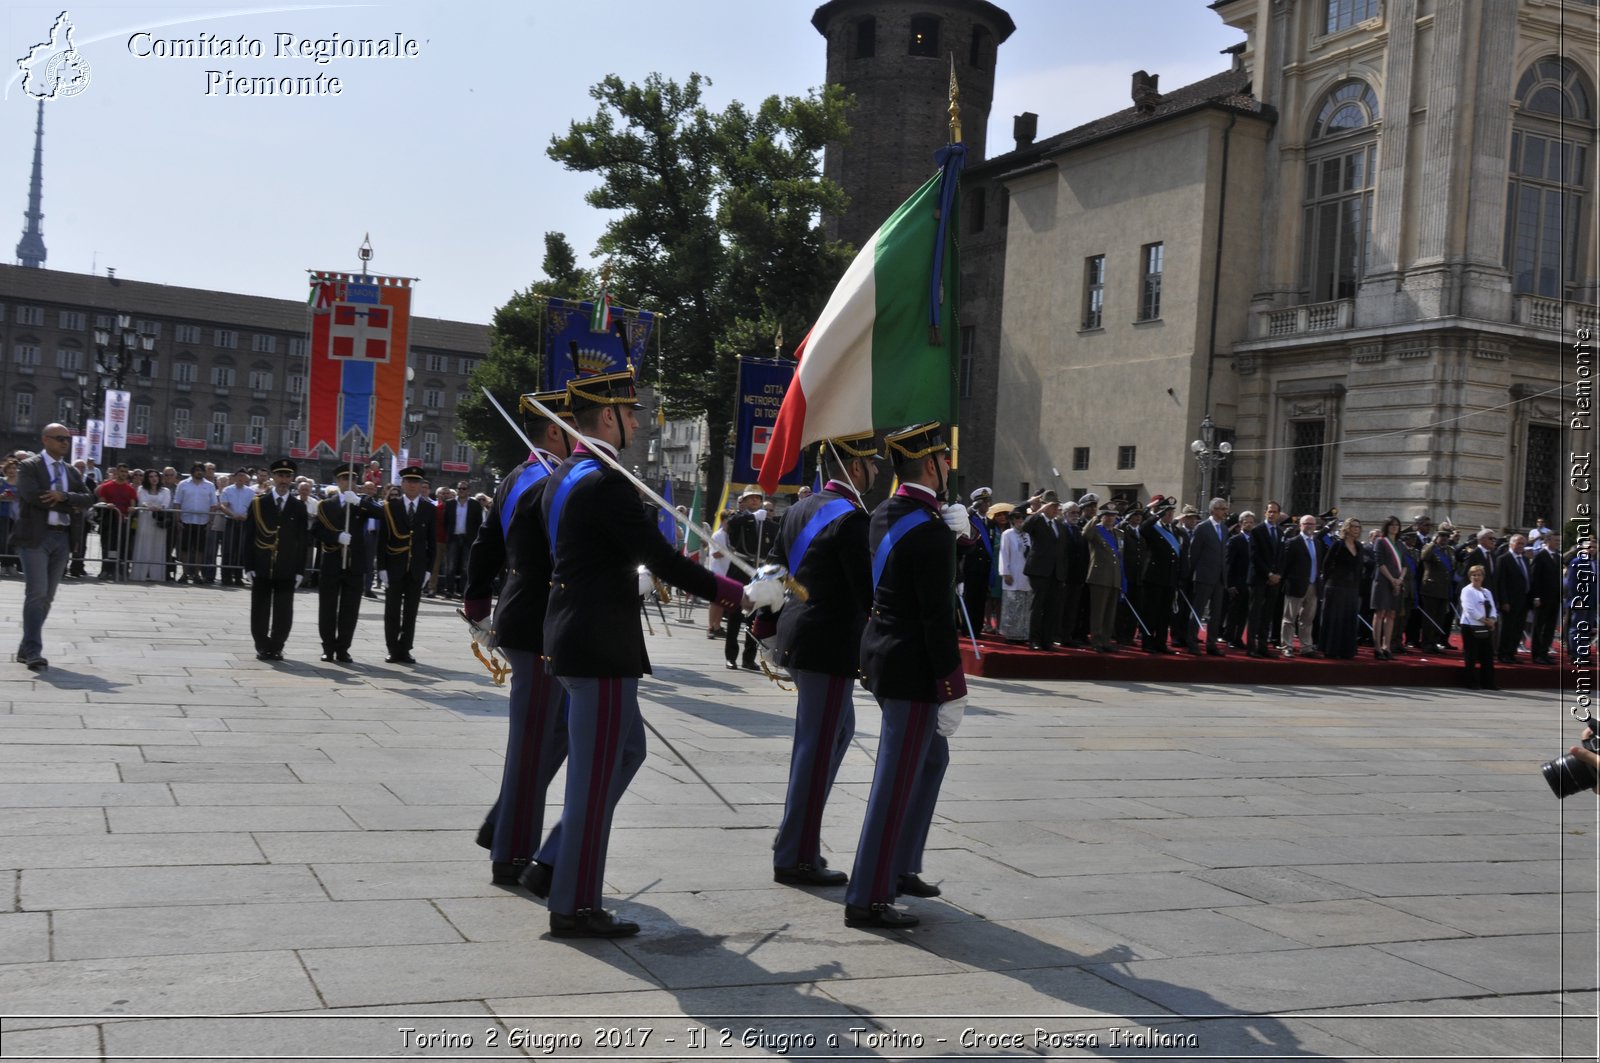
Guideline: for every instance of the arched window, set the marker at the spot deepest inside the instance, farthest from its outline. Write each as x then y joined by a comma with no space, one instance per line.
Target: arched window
982,57
925,36
866,37
1341,161
1552,148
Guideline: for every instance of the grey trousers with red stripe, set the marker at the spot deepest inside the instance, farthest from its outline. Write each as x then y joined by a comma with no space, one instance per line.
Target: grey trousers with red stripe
606,745
912,758
824,722
536,744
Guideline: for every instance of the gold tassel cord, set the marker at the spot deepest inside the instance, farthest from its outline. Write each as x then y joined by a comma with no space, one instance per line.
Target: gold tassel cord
497,666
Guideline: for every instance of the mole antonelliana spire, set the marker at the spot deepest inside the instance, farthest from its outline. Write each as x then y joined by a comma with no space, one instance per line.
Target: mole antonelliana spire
30,249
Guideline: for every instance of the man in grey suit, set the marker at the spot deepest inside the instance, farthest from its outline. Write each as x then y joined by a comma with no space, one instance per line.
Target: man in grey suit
52,498
1209,559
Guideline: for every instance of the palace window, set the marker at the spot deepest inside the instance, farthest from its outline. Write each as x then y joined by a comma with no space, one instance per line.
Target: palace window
1552,145
224,337
71,320
261,344
1542,474
1080,459
1307,440
1342,14
866,37
24,409
140,423
219,428
1153,256
182,420
1339,192
187,333
1127,456
1094,291
430,448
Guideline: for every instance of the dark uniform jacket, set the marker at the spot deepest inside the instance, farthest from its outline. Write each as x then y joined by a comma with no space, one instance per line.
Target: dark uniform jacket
750,538
524,555
592,626
405,546
909,650
276,547
327,525
1132,556
823,633
977,552
1438,571
1160,564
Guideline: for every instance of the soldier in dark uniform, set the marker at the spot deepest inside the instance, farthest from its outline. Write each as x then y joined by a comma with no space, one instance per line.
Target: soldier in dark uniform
511,540
751,534
1159,581
912,664
405,549
977,560
824,546
275,551
1132,574
344,563
600,533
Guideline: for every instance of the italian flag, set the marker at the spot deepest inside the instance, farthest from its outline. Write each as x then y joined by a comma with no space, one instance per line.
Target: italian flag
872,360
600,315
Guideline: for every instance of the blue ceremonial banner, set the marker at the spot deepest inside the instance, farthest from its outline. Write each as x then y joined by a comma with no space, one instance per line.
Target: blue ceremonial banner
762,382
668,526
572,348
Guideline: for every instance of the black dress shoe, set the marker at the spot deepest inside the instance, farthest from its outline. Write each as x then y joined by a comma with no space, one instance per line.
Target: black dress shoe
1214,651
508,872
882,915
751,666
400,658
344,658
915,887
536,878
37,664
732,666
329,658
263,655
590,923
804,874
485,832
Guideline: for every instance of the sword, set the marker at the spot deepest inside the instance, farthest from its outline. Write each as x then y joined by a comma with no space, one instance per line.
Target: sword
685,762
517,428
1129,603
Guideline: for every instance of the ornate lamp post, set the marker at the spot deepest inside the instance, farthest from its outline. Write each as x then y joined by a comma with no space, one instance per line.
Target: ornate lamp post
1210,455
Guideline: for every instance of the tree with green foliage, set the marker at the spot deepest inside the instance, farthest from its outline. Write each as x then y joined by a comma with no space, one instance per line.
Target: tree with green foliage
515,362
718,227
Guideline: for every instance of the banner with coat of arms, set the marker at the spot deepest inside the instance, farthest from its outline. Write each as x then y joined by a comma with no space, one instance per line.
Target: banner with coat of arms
573,348
356,380
762,383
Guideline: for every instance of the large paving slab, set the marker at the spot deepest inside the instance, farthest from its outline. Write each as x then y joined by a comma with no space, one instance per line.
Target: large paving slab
205,842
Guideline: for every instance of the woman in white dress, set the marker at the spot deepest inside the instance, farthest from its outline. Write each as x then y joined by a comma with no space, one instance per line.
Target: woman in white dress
1016,593
150,533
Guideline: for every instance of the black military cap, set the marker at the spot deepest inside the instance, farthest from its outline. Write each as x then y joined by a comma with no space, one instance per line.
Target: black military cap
284,465
859,445
916,441
605,389
554,401
413,472
349,468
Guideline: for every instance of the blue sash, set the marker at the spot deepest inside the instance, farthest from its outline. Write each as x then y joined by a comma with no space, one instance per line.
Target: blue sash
559,500
983,533
1111,541
880,556
825,515
531,474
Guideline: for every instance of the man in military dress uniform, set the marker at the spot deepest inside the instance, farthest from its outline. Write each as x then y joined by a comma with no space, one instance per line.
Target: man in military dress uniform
344,563
912,664
600,533
405,549
977,559
824,546
751,534
275,551
511,540
1159,579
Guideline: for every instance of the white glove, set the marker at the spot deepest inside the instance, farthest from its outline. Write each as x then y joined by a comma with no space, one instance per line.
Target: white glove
297,581
765,594
350,498
950,713
647,582
957,519
769,655
761,515
344,538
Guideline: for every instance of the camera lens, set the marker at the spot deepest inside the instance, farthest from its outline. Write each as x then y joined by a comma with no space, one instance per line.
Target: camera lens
1568,775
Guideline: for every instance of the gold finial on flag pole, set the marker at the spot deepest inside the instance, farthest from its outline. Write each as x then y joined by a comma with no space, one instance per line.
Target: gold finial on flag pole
955,103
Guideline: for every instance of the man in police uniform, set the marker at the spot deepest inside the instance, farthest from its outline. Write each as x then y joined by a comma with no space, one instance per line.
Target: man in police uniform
824,546
751,534
275,551
1159,578
344,563
600,533
405,548
977,559
512,540
912,664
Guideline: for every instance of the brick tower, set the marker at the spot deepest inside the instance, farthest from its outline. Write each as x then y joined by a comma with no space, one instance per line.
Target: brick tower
894,57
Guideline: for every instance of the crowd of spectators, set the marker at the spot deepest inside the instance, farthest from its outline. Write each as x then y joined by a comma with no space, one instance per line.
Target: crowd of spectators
153,526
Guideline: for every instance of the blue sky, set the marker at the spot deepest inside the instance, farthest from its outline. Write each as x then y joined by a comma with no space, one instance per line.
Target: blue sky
441,156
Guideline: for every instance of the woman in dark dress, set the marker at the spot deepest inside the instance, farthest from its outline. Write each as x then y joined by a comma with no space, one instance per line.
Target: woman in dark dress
1341,566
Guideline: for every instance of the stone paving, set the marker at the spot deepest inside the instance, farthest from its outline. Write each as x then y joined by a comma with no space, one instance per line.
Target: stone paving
214,858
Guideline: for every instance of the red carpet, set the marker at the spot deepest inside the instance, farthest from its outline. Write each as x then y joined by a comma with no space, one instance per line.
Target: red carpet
1002,660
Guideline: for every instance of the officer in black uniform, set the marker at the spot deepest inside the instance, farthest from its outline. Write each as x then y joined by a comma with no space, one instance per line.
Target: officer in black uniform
912,664
405,549
511,540
1162,545
977,561
344,562
275,551
750,535
824,546
600,533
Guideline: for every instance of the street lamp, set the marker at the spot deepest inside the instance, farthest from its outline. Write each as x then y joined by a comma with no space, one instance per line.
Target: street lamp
115,353
1210,455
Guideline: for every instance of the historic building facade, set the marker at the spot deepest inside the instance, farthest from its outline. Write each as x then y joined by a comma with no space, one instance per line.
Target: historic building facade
224,381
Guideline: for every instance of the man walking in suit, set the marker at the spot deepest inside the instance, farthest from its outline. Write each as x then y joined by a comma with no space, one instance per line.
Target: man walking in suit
405,544
52,498
1208,558
463,516
1045,569
275,551
1513,580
